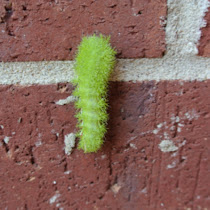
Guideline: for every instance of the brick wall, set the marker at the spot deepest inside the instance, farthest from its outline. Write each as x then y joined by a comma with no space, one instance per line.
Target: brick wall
156,150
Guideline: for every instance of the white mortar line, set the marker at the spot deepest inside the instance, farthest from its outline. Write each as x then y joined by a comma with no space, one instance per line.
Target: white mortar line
184,20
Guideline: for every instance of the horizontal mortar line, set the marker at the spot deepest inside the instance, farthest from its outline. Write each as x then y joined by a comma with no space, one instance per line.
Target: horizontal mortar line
51,72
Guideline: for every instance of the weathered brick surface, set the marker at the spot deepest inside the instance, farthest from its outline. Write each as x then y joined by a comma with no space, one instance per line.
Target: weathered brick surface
129,172
204,44
51,30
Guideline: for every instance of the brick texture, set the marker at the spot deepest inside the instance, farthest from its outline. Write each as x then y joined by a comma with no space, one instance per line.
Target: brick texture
129,172
51,30
204,44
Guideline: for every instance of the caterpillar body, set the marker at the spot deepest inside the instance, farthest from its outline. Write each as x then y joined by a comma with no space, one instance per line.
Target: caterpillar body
95,61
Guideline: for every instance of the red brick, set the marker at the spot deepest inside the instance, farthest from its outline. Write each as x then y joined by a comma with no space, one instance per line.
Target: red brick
204,44
51,30
129,172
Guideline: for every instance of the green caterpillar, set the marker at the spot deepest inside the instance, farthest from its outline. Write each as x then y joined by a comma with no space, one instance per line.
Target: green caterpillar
95,61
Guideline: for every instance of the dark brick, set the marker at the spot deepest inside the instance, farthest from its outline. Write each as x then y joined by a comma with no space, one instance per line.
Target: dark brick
51,30
129,172
204,43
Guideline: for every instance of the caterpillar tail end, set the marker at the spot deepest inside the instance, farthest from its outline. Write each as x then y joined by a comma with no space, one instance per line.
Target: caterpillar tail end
90,148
